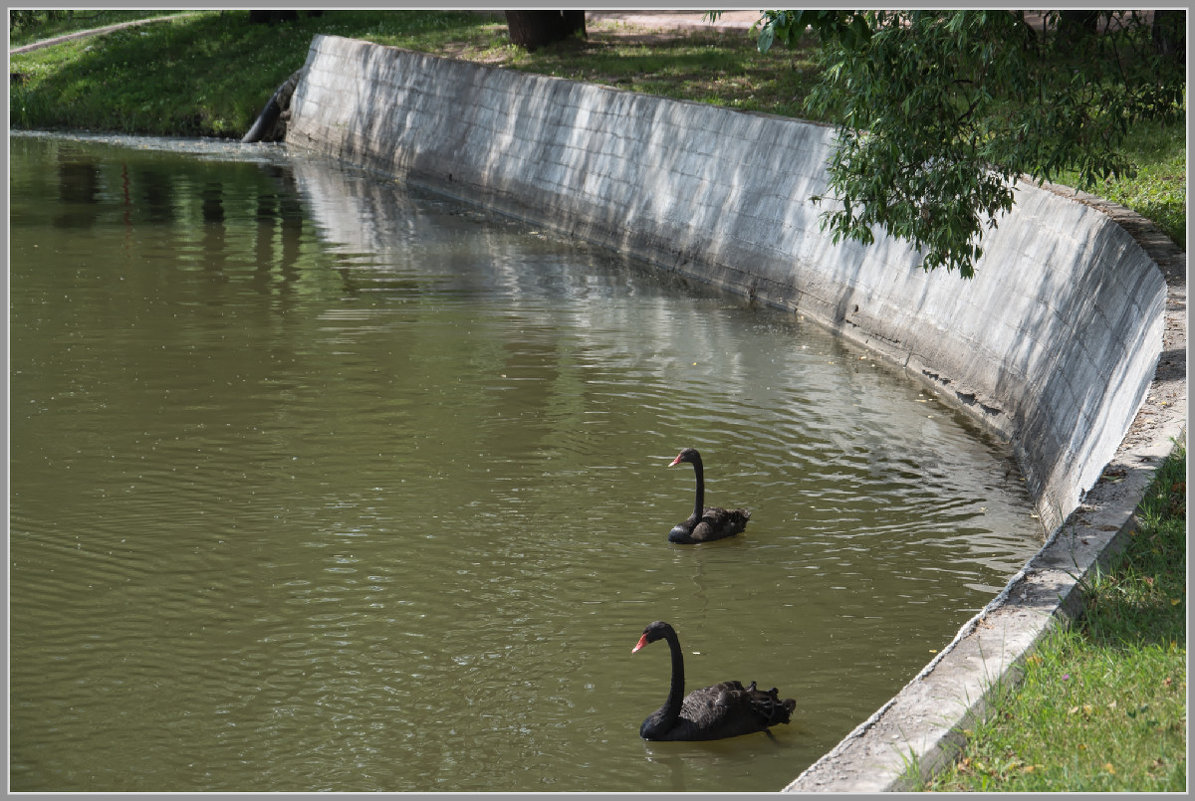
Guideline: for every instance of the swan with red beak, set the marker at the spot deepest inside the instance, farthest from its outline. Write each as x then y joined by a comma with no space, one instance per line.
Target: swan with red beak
727,709
705,524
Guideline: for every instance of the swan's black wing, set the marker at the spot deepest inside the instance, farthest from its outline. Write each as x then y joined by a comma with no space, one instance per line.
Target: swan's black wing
717,523
729,709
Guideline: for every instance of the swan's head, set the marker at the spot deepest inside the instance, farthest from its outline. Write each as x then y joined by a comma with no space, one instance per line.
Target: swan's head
689,455
655,631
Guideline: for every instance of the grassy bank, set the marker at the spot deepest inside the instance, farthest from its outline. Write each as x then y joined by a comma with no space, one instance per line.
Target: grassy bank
211,72
206,74
1102,706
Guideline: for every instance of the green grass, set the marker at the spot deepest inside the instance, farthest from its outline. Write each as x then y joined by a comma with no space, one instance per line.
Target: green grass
708,67
1102,705
207,74
1158,190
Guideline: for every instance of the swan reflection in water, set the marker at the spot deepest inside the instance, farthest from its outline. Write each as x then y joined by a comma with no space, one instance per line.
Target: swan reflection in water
692,765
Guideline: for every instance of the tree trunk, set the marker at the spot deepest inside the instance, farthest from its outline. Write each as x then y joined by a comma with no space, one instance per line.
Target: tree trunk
1170,34
1074,26
270,17
534,29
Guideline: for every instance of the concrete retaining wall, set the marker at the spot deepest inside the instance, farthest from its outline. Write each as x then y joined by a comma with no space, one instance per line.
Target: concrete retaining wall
1053,345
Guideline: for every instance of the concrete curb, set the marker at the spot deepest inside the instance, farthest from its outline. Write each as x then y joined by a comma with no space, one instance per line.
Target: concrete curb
1071,340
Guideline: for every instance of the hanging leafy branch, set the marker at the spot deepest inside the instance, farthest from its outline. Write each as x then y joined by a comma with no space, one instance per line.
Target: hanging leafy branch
941,113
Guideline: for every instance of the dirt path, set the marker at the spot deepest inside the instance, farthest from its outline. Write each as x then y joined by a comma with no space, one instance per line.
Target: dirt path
66,37
657,18
663,19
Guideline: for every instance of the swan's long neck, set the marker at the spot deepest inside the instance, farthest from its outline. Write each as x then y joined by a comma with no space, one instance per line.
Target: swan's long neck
676,693
699,504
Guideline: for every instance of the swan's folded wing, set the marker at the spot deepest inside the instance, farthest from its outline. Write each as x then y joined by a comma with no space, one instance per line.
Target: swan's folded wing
710,705
703,531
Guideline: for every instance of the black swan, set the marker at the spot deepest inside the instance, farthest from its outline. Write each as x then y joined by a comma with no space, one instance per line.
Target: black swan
704,524
711,713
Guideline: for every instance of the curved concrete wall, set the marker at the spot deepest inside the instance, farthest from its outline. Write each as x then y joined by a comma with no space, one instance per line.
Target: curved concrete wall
1053,345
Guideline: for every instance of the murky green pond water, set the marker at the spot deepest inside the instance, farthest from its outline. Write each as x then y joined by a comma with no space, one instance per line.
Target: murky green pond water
319,482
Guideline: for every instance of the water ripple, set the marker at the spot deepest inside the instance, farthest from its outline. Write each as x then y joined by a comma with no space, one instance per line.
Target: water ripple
371,495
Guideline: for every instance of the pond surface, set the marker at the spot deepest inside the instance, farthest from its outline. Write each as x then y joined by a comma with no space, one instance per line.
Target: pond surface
322,482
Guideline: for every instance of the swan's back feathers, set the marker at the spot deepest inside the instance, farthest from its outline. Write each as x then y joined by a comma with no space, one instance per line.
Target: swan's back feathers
714,524
729,709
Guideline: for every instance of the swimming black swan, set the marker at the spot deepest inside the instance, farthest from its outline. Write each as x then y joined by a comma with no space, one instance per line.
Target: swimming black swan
711,713
704,524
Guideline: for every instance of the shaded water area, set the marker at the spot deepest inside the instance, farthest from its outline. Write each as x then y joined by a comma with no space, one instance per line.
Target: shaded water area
324,482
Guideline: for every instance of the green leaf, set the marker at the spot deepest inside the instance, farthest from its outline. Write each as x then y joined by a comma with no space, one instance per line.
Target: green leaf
941,112
766,36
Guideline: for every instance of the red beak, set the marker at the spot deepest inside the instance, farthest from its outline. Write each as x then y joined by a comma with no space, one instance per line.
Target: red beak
642,640
675,461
